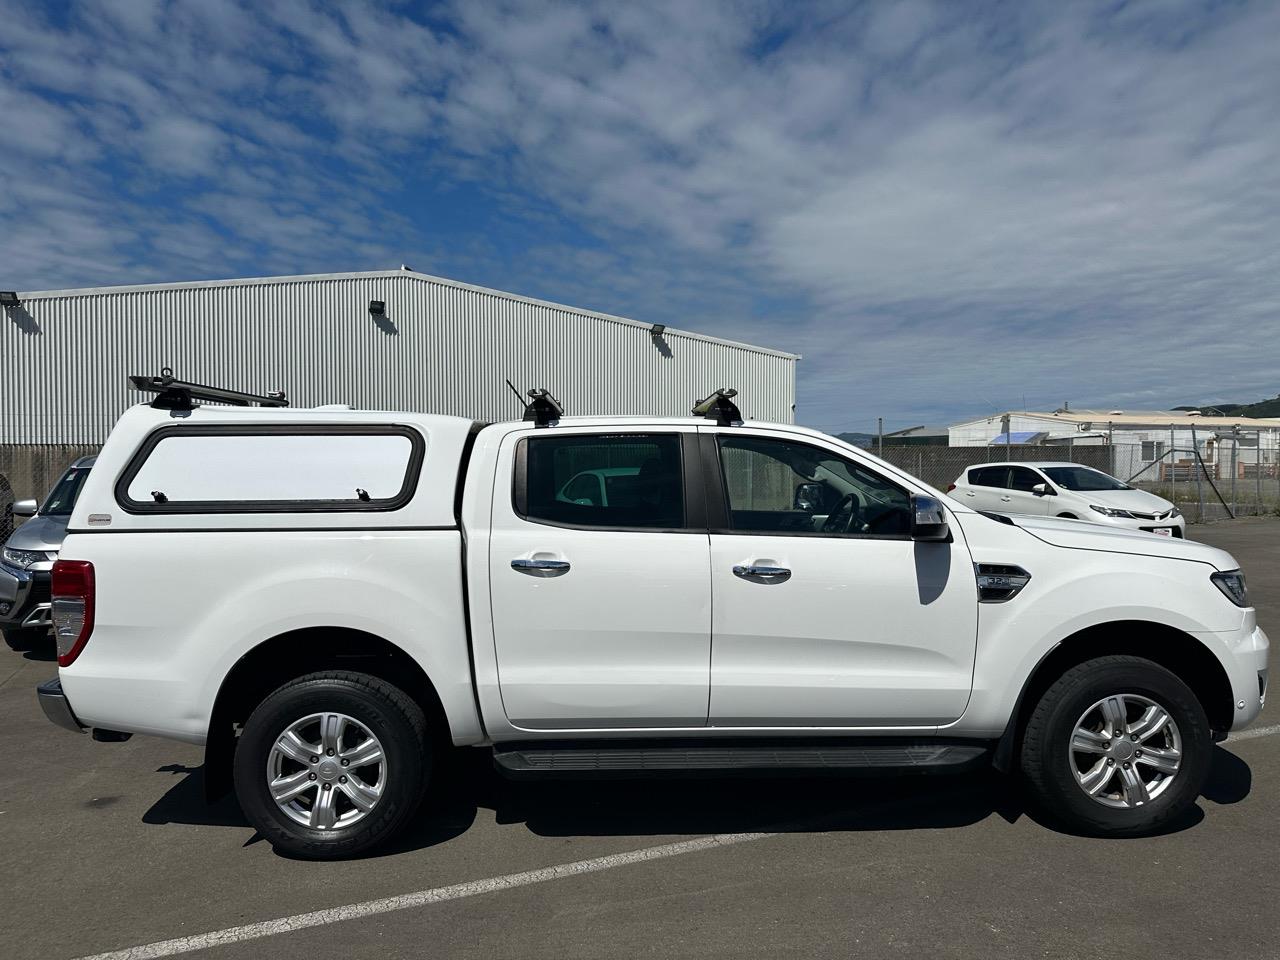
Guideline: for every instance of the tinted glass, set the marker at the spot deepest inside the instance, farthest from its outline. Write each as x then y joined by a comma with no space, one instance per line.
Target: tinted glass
1083,479
1023,479
641,474
989,477
762,477
62,499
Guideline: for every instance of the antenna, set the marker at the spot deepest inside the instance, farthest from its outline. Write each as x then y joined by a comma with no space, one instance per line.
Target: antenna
542,409
720,407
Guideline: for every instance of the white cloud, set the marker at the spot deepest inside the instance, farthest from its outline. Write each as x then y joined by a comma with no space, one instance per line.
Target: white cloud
939,204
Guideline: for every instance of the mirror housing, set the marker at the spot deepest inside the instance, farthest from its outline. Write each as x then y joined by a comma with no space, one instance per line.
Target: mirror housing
928,519
809,497
25,508
1043,490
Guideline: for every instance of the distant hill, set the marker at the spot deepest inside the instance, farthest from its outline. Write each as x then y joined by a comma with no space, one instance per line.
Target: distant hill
864,440
1263,408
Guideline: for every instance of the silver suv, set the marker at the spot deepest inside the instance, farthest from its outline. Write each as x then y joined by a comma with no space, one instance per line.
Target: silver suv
28,556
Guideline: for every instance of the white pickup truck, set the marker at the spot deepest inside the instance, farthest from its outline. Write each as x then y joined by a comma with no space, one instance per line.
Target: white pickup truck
327,599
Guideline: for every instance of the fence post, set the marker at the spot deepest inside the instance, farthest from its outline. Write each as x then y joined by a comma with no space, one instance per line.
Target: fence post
1257,475
1173,464
1195,459
1235,465
880,437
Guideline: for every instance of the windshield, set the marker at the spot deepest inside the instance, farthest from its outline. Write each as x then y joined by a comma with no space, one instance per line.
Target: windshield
63,497
1083,479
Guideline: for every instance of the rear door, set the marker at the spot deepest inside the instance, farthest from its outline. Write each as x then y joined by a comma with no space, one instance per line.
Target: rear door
601,600
987,488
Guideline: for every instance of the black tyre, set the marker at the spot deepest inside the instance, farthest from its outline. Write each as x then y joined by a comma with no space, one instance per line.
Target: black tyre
27,639
332,764
1118,746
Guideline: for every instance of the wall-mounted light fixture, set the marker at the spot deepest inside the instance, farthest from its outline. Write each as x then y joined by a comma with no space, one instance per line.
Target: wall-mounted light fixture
9,299
378,308
657,330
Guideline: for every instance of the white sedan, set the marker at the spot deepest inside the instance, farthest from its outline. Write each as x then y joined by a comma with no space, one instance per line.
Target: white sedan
1065,490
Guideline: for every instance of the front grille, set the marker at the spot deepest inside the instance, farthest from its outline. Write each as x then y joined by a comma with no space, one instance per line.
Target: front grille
41,590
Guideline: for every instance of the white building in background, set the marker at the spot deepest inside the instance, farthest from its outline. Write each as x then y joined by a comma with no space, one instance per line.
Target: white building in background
391,340
1161,441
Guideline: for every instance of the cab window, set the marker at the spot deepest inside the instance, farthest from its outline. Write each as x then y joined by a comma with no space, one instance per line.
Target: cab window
1024,479
777,486
627,481
989,477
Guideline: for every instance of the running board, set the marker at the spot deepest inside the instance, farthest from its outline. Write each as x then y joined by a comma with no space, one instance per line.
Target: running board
612,759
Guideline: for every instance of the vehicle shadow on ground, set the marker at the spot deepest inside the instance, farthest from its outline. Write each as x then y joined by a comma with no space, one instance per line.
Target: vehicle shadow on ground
695,806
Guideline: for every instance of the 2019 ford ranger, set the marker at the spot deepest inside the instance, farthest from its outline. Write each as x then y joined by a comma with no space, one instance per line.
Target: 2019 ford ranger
328,598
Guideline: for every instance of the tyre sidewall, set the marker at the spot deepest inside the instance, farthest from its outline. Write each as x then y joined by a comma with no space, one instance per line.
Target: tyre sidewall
408,764
1157,684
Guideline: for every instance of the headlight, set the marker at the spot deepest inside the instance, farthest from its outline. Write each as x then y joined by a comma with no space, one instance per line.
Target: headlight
1175,512
1231,582
1110,511
24,558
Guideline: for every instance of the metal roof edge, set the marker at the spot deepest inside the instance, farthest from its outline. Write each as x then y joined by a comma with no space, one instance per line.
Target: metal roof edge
386,274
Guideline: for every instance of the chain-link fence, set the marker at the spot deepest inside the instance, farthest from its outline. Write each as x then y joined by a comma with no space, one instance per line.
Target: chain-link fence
1208,476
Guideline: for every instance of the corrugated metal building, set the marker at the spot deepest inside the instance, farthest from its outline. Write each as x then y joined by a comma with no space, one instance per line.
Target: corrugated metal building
441,347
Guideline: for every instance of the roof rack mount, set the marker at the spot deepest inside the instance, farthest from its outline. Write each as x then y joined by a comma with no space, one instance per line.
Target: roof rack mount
720,408
174,394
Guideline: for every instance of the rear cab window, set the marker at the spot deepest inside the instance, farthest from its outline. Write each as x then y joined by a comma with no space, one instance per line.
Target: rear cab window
628,481
273,469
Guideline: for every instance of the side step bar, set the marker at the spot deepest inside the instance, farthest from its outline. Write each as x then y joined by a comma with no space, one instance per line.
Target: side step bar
604,758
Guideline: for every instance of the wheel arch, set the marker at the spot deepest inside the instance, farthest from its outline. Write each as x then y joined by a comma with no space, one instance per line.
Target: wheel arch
287,656
1175,650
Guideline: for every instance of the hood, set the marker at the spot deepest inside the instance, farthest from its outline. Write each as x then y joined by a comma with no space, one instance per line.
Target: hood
1138,500
40,533
1082,535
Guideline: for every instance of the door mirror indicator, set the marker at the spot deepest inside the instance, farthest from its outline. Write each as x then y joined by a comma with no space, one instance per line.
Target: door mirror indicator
928,519
810,497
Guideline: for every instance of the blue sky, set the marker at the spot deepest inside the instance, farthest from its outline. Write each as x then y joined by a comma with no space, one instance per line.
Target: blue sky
944,207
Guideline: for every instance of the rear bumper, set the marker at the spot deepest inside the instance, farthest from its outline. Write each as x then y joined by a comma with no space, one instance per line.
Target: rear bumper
56,707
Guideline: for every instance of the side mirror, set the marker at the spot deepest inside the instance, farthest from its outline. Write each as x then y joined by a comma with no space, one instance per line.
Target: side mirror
24,508
1042,490
928,519
809,497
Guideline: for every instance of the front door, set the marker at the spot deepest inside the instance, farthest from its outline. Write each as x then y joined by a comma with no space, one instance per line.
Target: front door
599,581
825,612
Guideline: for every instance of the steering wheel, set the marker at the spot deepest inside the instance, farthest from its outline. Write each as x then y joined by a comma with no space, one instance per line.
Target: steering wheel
842,517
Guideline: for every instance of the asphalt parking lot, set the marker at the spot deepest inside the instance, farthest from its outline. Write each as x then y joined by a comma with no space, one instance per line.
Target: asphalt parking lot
111,846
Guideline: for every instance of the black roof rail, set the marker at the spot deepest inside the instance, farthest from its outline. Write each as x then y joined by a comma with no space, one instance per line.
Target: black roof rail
174,394
720,408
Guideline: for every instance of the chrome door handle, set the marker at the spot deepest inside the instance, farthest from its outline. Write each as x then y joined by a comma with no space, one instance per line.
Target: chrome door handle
540,566
755,572
1006,499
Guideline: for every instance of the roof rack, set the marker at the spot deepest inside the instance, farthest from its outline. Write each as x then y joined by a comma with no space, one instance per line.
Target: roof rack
720,408
174,394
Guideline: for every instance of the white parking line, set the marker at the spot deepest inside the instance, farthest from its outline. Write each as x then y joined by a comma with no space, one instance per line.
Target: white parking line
1254,733
406,901
457,891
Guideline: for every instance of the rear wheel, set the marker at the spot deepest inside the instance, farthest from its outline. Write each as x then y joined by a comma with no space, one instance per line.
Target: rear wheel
1117,746
28,638
332,764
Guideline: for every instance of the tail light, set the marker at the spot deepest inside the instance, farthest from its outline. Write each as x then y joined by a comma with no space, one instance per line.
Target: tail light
950,487
72,607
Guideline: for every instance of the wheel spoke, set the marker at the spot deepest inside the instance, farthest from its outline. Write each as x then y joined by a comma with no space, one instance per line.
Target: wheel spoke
1135,791
1154,720
295,748
1163,759
284,789
1113,711
1087,741
360,793
365,753
1097,778
332,726
323,812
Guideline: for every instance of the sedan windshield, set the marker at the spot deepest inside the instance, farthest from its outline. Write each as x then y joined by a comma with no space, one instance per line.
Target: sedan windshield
63,498
1083,479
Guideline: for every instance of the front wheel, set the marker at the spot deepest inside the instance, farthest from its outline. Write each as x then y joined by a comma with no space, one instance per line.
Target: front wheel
332,764
1118,746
